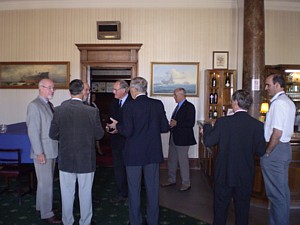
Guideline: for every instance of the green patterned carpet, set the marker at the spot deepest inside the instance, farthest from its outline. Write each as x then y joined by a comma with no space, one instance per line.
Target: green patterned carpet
105,212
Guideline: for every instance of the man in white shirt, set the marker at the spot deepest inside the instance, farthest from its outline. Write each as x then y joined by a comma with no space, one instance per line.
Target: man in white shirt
279,127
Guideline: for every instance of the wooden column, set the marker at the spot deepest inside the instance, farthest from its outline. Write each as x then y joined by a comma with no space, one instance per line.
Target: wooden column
254,52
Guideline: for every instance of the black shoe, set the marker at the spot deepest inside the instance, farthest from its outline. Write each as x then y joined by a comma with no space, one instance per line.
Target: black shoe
168,184
93,222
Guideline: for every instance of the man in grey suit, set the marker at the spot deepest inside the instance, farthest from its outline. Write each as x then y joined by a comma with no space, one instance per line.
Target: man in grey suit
76,126
43,149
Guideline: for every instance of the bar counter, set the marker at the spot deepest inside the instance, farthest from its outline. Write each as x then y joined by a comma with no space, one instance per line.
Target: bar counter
259,198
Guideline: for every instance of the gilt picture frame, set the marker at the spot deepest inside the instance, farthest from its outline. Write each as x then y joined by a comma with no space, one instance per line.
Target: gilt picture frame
167,76
220,60
26,75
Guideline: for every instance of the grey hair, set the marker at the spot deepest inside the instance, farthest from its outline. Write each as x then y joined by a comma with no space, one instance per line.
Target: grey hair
181,90
243,98
140,84
123,84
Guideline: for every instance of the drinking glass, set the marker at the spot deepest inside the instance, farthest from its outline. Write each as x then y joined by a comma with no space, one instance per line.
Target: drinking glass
3,128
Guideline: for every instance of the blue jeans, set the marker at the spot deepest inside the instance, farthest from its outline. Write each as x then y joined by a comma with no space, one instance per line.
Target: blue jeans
275,172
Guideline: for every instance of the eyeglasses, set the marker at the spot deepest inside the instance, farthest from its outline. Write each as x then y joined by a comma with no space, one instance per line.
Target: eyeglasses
117,89
49,88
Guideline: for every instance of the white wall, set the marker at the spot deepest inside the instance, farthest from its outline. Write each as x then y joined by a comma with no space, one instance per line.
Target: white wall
167,35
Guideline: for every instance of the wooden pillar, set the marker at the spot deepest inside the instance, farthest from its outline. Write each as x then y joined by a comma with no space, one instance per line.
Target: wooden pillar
254,52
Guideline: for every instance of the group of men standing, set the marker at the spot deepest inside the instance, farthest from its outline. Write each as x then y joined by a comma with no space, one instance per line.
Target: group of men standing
136,123
136,128
75,127
239,137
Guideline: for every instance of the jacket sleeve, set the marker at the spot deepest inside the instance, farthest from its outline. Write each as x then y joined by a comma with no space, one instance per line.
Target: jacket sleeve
98,130
33,121
54,128
259,141
211,135
165,127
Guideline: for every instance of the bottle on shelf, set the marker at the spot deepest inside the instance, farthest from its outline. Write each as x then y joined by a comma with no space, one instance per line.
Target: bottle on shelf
213,80
223,111
210,113
211,98
216,97
215,113
227,80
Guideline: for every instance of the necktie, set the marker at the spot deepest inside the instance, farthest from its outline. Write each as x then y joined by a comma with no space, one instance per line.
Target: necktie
51,106
120,103
175,111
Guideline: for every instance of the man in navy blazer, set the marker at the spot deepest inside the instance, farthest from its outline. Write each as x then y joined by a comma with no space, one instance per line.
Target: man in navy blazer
181,137
144,119
238,137
122,98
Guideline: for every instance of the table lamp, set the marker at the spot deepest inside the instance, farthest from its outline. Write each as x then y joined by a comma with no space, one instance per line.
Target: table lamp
264,108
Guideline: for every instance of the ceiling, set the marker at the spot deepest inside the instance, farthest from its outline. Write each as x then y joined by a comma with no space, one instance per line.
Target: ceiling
293,5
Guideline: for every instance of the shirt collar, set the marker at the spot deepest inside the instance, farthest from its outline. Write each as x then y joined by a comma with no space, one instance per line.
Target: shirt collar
44,99
77,99
124,98
277,95
240,110
180,103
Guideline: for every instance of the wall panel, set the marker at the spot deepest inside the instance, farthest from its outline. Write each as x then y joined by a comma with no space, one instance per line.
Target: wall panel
167,35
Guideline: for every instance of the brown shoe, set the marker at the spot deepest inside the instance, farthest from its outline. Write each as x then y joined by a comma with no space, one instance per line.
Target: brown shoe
185,187
52,220
168,184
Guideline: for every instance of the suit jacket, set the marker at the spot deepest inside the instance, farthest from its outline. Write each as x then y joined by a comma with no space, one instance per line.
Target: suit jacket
38,120
77,126
118,140
183,133
238,137
144,119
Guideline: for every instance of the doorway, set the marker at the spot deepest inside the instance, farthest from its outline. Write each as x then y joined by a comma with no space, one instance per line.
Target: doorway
103,64
101,82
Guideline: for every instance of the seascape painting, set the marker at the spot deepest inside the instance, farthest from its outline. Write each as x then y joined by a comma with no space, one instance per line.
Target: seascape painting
28,74
165,77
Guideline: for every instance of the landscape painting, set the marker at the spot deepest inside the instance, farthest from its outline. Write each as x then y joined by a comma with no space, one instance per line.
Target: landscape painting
28,74
166,77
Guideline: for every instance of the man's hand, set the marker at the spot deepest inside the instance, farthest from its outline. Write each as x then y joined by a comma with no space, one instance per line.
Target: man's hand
173,123
111,128
41,158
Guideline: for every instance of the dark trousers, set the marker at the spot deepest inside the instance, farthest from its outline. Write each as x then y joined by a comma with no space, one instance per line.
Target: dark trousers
151,178
120,172
241,199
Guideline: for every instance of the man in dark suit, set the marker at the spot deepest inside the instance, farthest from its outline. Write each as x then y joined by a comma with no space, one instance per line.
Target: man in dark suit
144,120
122,98
43,150
76,126
238,137
181,137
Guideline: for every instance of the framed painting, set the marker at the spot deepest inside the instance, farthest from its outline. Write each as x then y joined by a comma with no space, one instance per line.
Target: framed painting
220,60
167,76
28,74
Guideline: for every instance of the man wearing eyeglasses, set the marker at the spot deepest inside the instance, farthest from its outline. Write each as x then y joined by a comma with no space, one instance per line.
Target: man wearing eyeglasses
43,149
122,98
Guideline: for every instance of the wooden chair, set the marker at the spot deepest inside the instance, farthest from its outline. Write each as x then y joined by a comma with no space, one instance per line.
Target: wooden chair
11,167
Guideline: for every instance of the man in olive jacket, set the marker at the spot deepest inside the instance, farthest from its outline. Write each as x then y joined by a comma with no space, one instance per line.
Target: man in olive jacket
76,126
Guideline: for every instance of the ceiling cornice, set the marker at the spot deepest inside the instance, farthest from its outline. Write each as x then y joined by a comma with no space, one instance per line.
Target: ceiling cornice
54,4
